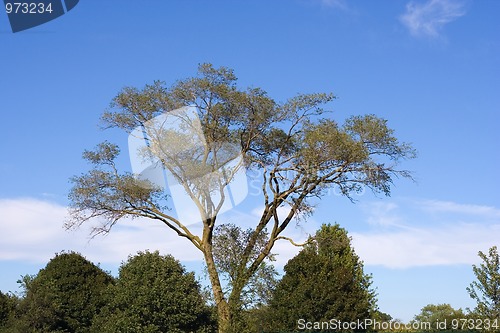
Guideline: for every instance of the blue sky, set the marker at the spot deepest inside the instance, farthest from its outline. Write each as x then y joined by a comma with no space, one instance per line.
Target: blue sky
431,67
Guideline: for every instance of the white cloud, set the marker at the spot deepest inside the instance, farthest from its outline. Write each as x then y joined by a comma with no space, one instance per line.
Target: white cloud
427,19
426,232
32,231
444,245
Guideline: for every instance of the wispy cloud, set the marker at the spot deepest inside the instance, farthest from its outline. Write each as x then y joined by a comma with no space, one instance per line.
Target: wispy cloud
340,4
382,213
453,207
427,19
426,232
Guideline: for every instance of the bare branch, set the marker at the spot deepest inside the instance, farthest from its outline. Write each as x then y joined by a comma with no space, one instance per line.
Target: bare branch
292,242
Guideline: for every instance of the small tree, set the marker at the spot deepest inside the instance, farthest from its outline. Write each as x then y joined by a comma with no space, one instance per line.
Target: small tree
228,245
154,294
64,296
486,290
324,281
297,152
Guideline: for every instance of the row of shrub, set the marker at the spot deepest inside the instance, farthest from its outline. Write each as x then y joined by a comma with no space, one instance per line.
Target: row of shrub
153,293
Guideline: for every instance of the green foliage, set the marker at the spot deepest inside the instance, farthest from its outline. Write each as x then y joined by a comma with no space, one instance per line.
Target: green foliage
5,308
252,320
64,296
381,316
440,313
154,294
8,303
486,290
228,246
324,281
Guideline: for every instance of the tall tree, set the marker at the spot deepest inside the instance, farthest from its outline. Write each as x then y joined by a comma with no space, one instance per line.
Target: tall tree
324,281
154,294
486,290
297,152
64,296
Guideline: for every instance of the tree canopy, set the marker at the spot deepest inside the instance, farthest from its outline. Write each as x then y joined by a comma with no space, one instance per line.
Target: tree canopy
64,296
154,294
298,151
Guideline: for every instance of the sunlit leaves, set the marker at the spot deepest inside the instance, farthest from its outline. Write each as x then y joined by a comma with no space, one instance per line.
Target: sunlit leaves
486,289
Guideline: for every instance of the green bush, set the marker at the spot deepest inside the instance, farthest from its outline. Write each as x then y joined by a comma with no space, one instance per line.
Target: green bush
63,297
154,294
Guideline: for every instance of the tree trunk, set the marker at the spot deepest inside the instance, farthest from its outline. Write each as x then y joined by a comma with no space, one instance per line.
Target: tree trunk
223,309
223,317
